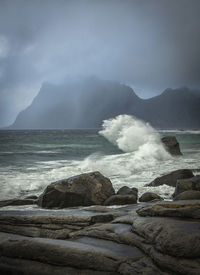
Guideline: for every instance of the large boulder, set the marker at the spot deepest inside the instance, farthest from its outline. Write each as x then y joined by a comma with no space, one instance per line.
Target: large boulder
171,178
121,200
192,183
149,196
82,190
171,145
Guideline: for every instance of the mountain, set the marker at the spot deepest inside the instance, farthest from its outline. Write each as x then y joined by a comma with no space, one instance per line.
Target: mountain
86,103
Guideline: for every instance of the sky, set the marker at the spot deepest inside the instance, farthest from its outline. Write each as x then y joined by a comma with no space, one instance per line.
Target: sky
148,44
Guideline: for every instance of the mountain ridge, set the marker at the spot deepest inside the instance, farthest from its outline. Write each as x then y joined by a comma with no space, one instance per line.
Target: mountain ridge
86,103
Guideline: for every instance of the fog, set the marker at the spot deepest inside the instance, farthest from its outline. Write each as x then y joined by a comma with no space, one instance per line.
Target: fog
147,44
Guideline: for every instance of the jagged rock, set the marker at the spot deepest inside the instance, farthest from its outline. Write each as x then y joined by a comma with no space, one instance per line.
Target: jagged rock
149,196
171,144
125,190
182,185
188,195
17,202
171,178
82,190
184,209
121,200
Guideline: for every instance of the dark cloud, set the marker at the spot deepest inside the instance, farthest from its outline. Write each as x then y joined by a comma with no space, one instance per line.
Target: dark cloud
149,44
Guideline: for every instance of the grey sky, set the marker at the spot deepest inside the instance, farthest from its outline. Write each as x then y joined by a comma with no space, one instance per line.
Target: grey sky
148,44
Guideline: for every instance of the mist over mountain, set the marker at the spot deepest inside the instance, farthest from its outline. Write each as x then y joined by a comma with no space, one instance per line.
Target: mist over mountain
86,103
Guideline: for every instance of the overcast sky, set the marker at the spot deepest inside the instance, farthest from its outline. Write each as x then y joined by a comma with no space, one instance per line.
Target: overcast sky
148,44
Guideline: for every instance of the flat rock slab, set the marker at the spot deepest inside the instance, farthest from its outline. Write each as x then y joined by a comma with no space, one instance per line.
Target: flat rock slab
82,253
185,209
51,224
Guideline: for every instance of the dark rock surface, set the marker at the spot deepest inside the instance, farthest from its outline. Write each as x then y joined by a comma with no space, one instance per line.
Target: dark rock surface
149,196
102,240
18,202
192,183
171,144
82,190
184,209
188,195
125,190
171,178
121,200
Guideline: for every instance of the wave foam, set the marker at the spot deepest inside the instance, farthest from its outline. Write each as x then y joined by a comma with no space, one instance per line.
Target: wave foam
133,135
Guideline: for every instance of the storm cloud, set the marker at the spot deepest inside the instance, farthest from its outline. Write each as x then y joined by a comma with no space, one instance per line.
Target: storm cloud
148,44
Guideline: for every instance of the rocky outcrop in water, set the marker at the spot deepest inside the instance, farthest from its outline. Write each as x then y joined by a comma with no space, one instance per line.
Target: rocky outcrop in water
171,178
171,144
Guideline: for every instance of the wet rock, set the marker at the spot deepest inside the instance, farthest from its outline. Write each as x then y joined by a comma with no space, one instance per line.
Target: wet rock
188,195
175,265
144,266
49,224
187,184
171,144
82,253
11,266
125,190
82,190
121,200
17,202
184,209
149,196
171,178
177,238
33,197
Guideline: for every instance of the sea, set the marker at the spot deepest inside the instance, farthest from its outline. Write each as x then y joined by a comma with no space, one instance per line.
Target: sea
126,150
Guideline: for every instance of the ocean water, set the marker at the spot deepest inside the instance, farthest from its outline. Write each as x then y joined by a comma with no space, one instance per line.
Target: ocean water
126,150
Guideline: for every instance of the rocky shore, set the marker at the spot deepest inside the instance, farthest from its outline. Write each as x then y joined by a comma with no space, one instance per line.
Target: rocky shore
150,237
81,226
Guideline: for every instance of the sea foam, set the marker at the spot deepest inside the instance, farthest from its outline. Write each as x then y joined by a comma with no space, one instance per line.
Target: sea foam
133,135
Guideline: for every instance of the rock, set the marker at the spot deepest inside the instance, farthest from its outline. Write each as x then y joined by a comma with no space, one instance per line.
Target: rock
188,195
177,238
183,209
32,197
174,265
171,178
49,224
17,202
11,266
121,200
82,190
171,144
82,253
187,184
149,196
144,266
125,190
